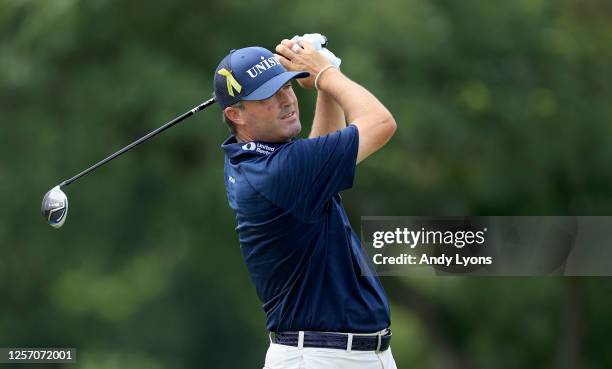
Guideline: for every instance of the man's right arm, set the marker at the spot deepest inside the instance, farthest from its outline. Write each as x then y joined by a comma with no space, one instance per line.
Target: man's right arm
375,123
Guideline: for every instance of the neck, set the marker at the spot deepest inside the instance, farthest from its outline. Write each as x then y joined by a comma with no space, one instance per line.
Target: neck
240,137
245,137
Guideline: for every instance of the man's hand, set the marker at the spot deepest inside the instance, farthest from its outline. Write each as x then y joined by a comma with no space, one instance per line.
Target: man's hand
306,59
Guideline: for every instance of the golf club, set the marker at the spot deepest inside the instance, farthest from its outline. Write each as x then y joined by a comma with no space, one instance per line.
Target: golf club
55,202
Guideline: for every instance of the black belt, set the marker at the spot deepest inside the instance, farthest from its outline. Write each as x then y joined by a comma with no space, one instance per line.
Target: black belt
345,341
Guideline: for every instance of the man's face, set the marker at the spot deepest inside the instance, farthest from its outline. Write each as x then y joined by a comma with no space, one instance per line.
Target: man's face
276,119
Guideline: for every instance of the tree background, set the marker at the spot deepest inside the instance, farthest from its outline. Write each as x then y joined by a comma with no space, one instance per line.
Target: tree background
503,109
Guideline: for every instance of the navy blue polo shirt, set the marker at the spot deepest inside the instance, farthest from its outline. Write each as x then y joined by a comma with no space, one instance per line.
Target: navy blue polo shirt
300,250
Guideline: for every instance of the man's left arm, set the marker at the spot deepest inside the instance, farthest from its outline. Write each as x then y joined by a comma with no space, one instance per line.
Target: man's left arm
328,117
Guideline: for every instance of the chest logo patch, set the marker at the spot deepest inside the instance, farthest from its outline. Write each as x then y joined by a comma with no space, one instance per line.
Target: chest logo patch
249,147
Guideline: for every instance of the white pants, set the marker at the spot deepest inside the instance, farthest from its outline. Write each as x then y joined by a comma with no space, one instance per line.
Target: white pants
289,357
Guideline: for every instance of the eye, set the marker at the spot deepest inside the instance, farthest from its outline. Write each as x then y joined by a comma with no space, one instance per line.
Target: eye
288,85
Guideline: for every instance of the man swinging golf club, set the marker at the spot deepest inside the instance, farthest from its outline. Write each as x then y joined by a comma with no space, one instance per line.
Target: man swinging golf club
301,252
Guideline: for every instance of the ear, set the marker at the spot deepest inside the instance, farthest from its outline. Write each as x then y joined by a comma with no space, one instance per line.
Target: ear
235,115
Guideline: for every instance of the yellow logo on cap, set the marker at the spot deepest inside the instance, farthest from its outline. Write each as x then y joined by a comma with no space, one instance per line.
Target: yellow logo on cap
232,84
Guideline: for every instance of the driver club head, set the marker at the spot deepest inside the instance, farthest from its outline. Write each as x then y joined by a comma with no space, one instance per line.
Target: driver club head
55,207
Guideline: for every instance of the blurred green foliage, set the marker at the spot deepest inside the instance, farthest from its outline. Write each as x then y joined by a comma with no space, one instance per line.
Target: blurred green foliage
503,108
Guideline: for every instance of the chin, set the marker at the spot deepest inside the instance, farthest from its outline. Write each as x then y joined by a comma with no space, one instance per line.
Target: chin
295,129
288,130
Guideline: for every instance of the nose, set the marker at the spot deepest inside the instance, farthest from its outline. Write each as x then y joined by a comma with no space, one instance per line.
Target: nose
284,96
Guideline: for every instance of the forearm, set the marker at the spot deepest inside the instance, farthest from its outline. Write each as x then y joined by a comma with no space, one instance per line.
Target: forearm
329,116
375,123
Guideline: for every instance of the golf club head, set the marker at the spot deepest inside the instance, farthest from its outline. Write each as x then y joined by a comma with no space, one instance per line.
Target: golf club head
55,207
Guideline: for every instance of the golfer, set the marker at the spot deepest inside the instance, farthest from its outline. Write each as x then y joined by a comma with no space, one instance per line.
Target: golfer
300,250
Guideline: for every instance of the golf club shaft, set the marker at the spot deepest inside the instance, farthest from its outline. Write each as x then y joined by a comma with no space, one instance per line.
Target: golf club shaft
171,123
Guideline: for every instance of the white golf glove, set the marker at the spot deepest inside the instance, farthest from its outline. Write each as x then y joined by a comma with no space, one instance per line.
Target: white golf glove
318,41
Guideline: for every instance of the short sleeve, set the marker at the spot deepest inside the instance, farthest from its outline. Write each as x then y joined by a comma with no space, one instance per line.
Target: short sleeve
305,174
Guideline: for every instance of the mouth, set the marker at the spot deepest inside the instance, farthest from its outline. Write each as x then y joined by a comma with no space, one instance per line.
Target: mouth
288,116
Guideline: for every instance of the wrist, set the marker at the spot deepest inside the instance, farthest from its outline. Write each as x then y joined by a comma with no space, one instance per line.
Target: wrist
321,75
